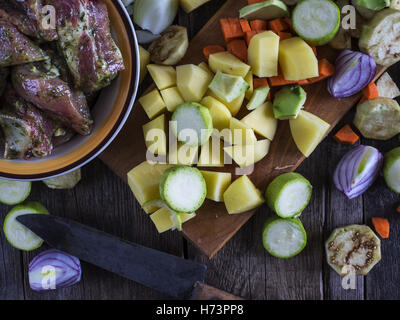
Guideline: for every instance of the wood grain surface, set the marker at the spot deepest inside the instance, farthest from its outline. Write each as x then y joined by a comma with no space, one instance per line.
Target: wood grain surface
242,267
213,226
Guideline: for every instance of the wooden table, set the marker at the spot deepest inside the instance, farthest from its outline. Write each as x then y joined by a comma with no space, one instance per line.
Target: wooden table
242,267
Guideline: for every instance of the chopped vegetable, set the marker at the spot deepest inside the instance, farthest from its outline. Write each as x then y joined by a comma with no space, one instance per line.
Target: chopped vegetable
262,121
378,118
192,82
231,29
226,62
387,88
260,82
192,124
382,226
357,170
190,5
217,183
316,21
228,87
66,181
289,194
354,246
375,5
247,155
258,25
209,50
164,220
17,234
265,10
346,136
164,76
380,37
391,169
144,61
284,238
245,25
288,102
258,98
354,71
153,104
250,35
277,25
155,15
171,47
238,48
183,189
263,54
284,35
64,269
371,91
14,192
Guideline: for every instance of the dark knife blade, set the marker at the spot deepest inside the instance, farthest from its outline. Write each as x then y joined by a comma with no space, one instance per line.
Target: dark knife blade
158,270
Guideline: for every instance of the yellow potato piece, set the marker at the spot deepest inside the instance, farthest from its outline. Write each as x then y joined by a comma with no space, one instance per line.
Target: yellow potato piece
182,154
163,221
219,112
262,121
234,106
144,61
241,133
297,59
206,68
144,181
155,135
190,5
228,63
249,79
172,98
263,54
192,82
247,155
153,104
163,76
242,196
212,153
308,131
217,183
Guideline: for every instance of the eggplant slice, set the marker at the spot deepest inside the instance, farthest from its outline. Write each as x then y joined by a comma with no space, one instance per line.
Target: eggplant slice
41,85
27,16
16,48
85,40
27,131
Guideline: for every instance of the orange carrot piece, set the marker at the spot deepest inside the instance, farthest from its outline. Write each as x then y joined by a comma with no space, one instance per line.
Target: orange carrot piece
371,91
346,135
382,226
245,25
279,80
284,35
250,35
260,82
238,48
231,29
209,50
289,22
325,70
398,209
258,25
277,25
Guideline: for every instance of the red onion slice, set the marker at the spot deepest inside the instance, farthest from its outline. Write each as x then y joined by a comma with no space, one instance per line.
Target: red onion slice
357,170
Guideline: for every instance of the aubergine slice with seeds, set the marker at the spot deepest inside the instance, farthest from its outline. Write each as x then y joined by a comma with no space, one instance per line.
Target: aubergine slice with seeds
42,87
27,131
355,246
16,48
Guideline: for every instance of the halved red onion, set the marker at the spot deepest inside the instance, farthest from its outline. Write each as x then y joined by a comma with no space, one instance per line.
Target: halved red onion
53,269
357,170
354,71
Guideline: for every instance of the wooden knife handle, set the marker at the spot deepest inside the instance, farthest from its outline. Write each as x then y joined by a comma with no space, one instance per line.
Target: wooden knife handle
205,292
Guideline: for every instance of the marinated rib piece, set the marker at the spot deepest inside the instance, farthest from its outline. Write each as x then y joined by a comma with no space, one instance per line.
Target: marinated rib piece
15,48
38,84
27,131
28,17
3,79
85,39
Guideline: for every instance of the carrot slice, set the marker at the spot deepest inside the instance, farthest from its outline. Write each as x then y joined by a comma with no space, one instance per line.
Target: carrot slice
382,226
238,48
245,25
279,80
371,91
209,50
284,35
250,35
346,135
258,25
277,25
325,69
231,28
260,82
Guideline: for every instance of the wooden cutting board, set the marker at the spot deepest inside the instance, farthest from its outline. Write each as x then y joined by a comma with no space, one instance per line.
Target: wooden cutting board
213,226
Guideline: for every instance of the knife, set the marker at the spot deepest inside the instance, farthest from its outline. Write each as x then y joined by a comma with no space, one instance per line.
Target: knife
169,274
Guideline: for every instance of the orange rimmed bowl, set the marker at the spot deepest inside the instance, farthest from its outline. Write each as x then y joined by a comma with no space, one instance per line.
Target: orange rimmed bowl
110,112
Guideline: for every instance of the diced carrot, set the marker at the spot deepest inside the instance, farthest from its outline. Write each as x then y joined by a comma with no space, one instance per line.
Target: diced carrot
277,25
314,49
289,22
238,48
279,80
371,91
231,29
346,135
398,209
260,82
245,25
284,35
250,35
258,25
209,50
304,82
382,226
325,70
